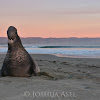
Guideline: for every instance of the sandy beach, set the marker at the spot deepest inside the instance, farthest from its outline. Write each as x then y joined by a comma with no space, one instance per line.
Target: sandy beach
66,79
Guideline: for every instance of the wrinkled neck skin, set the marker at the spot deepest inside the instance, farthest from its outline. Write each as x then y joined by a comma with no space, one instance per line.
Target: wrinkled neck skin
15,45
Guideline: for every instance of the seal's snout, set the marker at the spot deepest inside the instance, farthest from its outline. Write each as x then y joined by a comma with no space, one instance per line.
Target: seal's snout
12,33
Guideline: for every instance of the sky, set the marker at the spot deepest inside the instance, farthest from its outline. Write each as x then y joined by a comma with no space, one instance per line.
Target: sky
51,18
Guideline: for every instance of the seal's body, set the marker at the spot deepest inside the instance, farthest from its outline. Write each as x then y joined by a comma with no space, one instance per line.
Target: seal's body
17,62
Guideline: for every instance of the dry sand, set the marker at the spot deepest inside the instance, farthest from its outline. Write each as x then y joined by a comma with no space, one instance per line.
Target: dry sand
67,79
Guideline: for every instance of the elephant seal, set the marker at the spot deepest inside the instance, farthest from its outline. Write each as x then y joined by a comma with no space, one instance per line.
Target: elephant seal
18,62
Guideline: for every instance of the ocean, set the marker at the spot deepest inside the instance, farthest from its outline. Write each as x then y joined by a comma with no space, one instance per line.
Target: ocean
63,51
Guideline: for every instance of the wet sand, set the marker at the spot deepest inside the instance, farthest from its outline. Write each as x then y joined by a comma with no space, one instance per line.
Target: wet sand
66,79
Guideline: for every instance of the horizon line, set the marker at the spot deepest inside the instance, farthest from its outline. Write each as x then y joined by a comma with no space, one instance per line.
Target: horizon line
54,37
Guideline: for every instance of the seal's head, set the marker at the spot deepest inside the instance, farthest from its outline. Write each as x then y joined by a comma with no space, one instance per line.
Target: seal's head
12,34
13,38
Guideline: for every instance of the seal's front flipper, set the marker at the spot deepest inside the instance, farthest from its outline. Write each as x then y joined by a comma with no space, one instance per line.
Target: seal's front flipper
35,68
